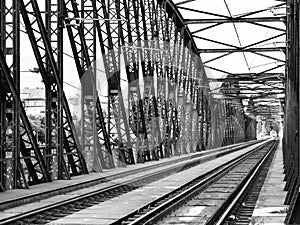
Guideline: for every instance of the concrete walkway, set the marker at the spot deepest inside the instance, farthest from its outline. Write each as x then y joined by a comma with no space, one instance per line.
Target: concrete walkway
270,208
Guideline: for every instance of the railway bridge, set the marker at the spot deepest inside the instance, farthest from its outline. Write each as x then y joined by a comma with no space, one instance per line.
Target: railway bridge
149,112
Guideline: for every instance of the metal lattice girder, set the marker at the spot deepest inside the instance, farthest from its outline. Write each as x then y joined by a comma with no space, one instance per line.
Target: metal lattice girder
182,116
33,158
146,44
158,74
147,28
117,121
53,115
164,76
23,140
109,44
10,113
85,72
173,36
217,124
181,87
205,119
198,126
130,39
181,76
70,149
89,134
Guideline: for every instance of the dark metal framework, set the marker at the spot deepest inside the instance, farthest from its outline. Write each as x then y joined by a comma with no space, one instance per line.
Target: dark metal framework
22,161
260,80
291,120
65,155
167,110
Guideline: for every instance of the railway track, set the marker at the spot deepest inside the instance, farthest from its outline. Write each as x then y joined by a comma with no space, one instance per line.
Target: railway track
232,179
7,204
239,210
63,208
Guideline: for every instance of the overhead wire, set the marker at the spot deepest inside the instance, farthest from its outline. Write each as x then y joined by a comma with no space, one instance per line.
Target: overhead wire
237,34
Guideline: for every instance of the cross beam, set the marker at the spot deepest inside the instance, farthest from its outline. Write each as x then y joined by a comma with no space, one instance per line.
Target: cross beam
235,20
232,50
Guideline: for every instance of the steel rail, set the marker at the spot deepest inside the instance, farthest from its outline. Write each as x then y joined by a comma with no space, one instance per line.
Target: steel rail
133,183
165,204
221,215
39,196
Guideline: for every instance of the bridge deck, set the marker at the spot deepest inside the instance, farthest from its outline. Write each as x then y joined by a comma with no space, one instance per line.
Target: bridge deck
110,211
270,208
12,201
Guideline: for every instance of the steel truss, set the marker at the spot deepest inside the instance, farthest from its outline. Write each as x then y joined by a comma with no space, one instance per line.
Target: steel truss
167,110
291,120
22,162
65,157
224,49
102,155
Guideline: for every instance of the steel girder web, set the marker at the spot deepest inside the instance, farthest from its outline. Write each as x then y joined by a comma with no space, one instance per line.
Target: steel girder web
109,42
235,127
10,113
191,104
186,92
130,40
164,36
186,75
147,28
53,124
167,32
194,86
69,138
30,169
32,156
164,28
89,96
171,60
117,119
174,88
195,95
181,95
206,121
87,76
67,147
156,69
157,60
173,84
124,42
165,78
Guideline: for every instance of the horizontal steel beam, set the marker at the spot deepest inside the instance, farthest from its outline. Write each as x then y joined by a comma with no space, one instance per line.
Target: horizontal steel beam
249,77
236,20
249,89
232,50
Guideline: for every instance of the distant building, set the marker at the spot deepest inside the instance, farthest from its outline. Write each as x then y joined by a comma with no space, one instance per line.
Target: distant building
33,100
